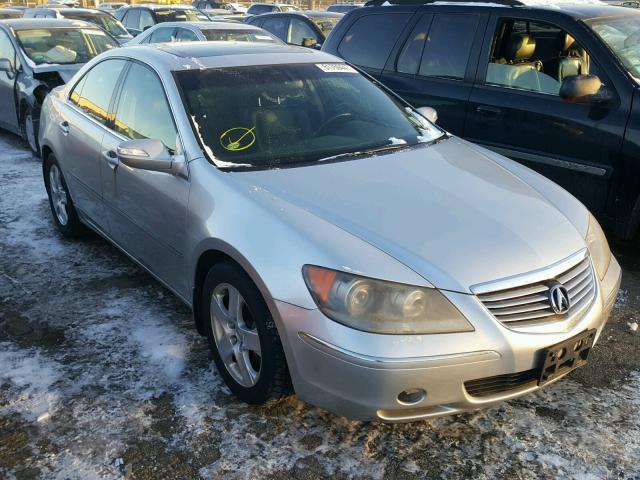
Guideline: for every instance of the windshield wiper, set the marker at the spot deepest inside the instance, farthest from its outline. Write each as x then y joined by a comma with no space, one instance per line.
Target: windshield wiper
369,151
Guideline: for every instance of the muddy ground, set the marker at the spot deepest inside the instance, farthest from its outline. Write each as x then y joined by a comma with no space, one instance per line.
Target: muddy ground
102,375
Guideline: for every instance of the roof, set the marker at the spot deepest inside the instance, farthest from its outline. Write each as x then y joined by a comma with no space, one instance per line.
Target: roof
81,11
578,9
308,13
209,25
29,23
155,6
198,55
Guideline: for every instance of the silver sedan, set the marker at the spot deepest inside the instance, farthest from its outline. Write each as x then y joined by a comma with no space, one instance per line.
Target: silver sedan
331,241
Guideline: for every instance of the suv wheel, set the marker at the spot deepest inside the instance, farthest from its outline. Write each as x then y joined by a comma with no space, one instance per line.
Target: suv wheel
243,337
64,213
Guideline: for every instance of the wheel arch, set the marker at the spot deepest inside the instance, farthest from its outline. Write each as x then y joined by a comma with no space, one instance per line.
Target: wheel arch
214,251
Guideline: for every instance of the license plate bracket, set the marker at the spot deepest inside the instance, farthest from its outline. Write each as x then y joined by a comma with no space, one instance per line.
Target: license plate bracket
566,356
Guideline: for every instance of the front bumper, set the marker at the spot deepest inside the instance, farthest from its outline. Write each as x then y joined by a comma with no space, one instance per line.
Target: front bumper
360,375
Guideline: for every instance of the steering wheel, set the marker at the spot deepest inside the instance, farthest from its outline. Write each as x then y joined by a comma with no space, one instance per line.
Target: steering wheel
339,117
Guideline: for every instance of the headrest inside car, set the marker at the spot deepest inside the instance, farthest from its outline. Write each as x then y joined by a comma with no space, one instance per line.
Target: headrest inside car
565,42
520,47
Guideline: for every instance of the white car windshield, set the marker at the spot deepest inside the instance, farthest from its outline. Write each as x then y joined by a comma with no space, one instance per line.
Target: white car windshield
276,116
622,36
64,45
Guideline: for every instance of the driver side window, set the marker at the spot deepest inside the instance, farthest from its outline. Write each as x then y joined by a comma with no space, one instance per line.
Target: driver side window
143,110
534,56
299,30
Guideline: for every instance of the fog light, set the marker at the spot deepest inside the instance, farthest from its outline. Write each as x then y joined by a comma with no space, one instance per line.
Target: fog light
412,396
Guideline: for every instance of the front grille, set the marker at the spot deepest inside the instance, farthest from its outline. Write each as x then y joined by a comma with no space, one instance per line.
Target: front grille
530,305
486,387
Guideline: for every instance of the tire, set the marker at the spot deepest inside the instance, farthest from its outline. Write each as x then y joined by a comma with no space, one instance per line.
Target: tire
62,209
30,124
237,362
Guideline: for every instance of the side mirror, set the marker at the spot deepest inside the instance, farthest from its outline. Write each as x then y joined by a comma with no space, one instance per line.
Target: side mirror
584,89
309,42
429,113
5,66
145,154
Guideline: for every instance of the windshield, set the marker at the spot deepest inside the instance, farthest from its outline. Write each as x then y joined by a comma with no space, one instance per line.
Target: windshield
622,36
239,36
64,45
325,24
284,115
106,22
180,15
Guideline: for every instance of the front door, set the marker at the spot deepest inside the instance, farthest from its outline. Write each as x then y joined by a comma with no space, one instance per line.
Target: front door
83,125
8,113
436,65
515,108
147,210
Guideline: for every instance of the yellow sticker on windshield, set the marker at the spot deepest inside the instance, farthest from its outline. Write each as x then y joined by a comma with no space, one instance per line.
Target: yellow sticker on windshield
238,138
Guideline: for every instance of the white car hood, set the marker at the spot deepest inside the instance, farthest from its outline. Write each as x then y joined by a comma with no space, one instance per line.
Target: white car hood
446,211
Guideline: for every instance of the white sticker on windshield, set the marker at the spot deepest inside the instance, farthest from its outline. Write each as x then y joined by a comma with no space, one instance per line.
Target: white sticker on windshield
336,68
263,37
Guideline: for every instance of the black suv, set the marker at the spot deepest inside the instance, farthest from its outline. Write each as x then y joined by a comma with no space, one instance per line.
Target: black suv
556,88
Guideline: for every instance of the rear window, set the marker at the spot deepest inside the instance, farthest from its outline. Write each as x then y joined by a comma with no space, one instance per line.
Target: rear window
371,38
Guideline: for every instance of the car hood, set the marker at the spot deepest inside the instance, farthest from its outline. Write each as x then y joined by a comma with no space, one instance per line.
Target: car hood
65,71
446,211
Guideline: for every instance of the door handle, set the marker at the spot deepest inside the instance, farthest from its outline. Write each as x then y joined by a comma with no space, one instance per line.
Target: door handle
112,158
488,111
64,128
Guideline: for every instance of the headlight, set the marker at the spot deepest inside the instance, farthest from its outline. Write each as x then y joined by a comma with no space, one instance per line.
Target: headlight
382,307
598,247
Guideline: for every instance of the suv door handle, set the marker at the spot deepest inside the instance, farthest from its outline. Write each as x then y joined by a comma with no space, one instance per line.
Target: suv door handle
489,111
112,158
64,127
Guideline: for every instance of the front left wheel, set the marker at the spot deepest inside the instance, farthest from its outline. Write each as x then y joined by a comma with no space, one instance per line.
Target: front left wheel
30,122
62,208
243,337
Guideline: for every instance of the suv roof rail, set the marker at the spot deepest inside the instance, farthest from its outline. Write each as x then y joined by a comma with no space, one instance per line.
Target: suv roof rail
377,3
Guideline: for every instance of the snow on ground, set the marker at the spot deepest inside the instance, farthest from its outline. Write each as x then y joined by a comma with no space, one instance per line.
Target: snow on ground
102,375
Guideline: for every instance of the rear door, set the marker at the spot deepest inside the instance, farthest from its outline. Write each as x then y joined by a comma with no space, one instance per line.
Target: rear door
435,65
85,117
131,21
369,40
277,25
147,210
8,113
515,108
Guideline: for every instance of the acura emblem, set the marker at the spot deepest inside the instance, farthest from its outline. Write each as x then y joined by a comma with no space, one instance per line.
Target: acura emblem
559,298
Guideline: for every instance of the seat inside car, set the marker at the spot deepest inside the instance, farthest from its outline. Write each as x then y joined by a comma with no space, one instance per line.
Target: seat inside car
517,64
570,60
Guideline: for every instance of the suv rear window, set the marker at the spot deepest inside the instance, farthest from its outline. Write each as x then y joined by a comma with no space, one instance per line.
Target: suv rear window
371,38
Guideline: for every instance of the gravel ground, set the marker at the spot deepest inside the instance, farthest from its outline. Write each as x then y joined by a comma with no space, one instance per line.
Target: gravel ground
102,375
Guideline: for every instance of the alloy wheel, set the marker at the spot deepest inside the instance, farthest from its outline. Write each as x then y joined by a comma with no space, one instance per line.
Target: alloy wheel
58,195
30,132
235,334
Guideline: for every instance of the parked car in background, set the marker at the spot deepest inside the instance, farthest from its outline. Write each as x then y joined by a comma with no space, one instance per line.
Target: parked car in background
102,19
216,16
552,86
202,32
214,5
308,29
10,13
260,8
37,55
138,18
343,7
112,6
401,273
236,7
63,3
